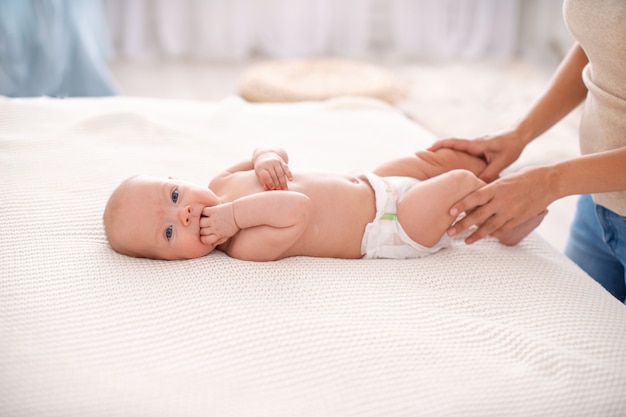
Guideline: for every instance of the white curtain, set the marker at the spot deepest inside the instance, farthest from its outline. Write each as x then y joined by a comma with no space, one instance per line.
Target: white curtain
456,28
235,30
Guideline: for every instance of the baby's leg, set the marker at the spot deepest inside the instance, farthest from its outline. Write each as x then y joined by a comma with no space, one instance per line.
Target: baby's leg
423,212
427,164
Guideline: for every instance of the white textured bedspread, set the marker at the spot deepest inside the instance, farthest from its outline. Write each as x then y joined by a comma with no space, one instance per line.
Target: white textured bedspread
481,330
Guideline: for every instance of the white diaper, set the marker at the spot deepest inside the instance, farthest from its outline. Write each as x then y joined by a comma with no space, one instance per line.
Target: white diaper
385,237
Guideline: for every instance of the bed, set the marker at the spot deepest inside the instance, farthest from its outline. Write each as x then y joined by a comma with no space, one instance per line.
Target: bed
480,330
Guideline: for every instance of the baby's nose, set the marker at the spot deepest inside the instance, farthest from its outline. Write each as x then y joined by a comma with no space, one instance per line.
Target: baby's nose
184,215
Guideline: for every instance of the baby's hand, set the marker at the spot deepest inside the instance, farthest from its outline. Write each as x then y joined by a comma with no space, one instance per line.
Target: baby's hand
272,172
217,224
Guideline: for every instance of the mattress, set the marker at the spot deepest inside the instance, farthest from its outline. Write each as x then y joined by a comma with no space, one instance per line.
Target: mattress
480,330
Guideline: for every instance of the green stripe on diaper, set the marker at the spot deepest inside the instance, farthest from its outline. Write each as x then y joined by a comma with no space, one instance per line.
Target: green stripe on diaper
389,216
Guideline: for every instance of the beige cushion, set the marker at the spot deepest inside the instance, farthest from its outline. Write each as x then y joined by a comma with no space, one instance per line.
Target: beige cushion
318,79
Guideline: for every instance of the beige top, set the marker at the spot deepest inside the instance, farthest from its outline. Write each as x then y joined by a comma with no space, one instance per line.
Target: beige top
599,26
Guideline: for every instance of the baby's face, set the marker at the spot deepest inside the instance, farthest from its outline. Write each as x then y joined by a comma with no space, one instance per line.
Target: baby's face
164,218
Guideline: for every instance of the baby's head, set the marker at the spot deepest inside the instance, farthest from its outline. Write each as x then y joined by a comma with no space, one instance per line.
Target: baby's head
149,217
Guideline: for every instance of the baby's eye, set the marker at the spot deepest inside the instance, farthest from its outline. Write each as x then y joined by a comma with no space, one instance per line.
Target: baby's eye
175,196
168,232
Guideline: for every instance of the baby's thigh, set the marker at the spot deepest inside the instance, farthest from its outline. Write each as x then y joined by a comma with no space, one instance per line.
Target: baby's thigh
424,211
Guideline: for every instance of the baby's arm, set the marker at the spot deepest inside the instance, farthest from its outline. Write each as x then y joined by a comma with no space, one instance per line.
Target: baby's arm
265,224
269,164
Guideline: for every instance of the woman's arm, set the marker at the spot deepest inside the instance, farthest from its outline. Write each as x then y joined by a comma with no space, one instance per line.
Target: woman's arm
565,92
513,199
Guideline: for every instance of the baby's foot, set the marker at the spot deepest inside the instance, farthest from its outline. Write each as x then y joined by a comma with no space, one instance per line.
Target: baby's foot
518,233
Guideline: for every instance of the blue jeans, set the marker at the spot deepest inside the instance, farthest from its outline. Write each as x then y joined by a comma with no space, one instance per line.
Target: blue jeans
597,243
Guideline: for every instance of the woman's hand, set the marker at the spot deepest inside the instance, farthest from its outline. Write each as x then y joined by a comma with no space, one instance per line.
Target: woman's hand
505,204
498,150
272,171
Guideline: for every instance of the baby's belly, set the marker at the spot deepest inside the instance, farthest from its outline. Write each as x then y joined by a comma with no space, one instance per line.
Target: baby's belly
342,206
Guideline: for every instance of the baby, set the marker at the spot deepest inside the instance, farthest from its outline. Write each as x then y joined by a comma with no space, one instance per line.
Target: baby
259,211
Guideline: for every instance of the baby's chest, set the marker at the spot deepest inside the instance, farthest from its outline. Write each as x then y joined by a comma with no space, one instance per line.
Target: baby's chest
237,187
